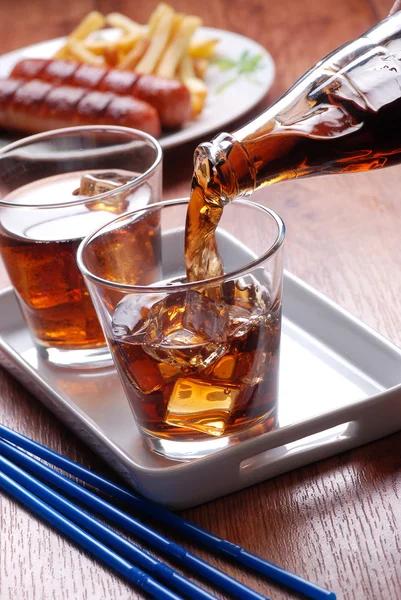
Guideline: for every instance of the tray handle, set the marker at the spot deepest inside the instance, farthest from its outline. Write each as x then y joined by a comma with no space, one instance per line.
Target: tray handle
380,416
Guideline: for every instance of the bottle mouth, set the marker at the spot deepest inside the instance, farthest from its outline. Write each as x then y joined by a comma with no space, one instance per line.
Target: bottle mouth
224,168
208,175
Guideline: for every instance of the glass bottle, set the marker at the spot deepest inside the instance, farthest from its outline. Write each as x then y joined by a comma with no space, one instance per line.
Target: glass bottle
344,115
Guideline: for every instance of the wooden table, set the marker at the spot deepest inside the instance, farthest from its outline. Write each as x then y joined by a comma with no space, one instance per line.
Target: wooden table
336,522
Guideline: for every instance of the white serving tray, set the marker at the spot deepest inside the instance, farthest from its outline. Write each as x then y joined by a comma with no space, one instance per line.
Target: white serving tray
339,388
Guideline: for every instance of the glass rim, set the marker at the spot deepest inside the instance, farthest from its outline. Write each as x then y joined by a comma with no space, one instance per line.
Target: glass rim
179,287
84,128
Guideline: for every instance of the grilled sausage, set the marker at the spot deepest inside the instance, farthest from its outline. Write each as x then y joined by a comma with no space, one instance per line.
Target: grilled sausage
35,106
169,97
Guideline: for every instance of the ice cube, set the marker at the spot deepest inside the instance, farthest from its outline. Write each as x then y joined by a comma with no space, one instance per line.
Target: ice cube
224,368
253,291
140,370
258,350
130,317
205,316
202,406
187,329
251,367
93,185
247,359
240,320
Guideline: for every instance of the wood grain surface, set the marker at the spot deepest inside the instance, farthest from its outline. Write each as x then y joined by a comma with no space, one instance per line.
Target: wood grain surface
336,522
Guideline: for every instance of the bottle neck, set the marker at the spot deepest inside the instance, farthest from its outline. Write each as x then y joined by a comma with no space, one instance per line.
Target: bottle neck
234,165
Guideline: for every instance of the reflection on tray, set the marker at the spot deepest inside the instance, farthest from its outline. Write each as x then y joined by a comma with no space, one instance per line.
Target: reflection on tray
314,379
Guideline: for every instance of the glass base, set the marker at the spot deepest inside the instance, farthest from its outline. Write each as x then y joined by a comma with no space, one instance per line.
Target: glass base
185,451
84,358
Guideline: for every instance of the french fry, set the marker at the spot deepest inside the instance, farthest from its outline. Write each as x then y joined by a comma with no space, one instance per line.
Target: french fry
63,53
120,57
92,22
202,48
177,47
185,68
124,23
82,54
99,47
111,56
198,91
200,67
155,16
131,60
197,88
124,43
178,19
158,41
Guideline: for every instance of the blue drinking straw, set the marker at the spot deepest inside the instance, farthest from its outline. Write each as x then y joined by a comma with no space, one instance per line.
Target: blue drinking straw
103,533
86,541
195,533
121,519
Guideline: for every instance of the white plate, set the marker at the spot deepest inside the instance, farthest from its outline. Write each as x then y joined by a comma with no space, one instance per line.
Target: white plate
231,94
